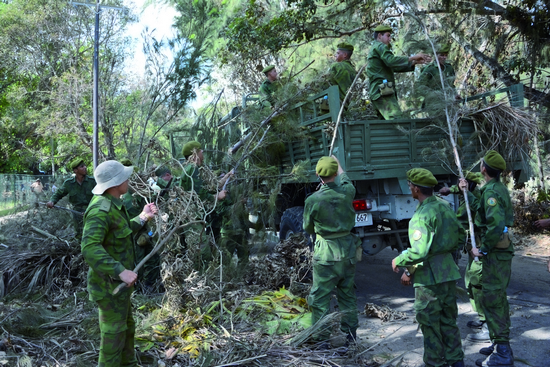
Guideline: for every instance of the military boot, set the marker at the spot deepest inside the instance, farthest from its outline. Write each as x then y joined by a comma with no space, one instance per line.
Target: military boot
458,364
487,350
502,356
481,337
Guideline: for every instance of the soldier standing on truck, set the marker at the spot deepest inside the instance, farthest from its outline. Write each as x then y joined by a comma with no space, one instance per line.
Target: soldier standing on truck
428,84
79,188
382,64
269,86
433,234
493,218
342,72
329,215
472,275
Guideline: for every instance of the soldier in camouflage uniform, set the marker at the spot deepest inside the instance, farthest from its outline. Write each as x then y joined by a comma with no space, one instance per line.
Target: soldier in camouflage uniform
382,64
269,86
342,72
191,180
494,216
433,234
329,215
472,276
79,188
150,271
108,248
428,84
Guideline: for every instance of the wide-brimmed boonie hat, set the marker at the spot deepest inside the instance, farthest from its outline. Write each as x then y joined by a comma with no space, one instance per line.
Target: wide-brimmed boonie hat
110,174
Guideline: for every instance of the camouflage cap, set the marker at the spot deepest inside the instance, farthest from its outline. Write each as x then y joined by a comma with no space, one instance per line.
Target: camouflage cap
268,68
75,163
476,177
326,167
421,177
383,28
444,49
494,160
126,162
345,46
189,147
162,170
110,174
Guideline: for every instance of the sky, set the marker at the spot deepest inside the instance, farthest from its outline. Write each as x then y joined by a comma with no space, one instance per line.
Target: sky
158,17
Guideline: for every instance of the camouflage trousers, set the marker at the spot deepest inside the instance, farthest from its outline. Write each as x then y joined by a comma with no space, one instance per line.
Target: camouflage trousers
473,281
150,272
436,313
497,269
117,331
339,275
78,222
235,239
387,107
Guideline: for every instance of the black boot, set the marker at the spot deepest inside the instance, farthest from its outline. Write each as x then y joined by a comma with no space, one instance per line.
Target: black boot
487,350
502,357
458,364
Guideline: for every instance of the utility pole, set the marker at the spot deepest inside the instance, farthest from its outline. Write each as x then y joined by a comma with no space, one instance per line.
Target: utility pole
95,99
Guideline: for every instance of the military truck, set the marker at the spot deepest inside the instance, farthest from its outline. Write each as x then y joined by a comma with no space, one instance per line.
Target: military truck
376,154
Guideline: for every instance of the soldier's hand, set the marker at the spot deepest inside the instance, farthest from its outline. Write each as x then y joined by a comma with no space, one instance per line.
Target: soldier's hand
222,194
128,277
49,204
542,223
476,253
405,280
463,184
150,210
394,267
445,191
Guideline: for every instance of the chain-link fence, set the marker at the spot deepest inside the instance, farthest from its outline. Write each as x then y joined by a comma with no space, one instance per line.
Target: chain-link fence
22,190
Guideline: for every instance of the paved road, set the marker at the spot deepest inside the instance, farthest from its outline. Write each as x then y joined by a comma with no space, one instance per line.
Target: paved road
529,296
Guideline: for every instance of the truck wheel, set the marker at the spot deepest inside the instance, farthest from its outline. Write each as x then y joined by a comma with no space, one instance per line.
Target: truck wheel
291,222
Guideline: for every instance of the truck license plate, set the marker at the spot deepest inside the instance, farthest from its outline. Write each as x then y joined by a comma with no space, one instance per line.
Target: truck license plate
363,219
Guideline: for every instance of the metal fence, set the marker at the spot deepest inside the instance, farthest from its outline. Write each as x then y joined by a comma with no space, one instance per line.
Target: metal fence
17,191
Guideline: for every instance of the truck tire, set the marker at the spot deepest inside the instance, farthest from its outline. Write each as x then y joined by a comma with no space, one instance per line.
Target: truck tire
291,222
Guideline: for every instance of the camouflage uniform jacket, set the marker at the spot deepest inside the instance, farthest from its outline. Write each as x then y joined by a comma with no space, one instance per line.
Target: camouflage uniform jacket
329,214
494,213
191,180
134,204
107,244
79,195
342,74
382,64
429,78
433,233
266,92
461,213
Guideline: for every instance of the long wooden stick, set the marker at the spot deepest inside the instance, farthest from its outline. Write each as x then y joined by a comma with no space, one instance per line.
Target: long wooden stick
157,247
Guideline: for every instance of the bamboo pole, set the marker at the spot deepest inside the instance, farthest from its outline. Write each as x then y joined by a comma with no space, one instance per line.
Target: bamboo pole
451,125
